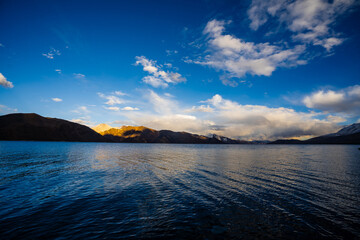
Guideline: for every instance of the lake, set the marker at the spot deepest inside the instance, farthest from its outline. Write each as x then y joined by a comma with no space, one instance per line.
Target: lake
63,190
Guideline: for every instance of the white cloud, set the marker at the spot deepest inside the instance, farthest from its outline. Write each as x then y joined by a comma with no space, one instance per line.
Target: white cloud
58,71
171,52
158,77
52,53
4,82
155,81
162,105
111,99
123,109
82,121
342,101
56,99
201,108
120,93
261,122
130,109
335,119
79,75
310,21
81,110
5,109
231,119
112,108
237,57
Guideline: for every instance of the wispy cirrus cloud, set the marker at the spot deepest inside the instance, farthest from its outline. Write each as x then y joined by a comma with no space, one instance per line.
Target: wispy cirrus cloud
4,82
111,99
81,110
52,53
309,21
79,75
158,77
5,109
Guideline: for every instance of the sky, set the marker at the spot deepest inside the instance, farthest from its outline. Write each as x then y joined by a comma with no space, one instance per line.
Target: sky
252,70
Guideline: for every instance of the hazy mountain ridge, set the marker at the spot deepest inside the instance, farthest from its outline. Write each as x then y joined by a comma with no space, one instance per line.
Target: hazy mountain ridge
347,135
101,127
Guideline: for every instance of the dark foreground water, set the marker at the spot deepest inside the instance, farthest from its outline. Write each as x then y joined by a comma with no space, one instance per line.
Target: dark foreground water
51,190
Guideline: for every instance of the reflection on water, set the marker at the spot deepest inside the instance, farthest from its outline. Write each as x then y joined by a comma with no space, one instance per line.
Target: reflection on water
132,191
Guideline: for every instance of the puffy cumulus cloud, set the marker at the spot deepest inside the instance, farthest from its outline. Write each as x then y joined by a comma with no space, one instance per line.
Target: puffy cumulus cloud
261,122
111,99
231,119
52,53
4,82
176,122
237,57
158,77
163,112
56,99
310,21
342,101
201,108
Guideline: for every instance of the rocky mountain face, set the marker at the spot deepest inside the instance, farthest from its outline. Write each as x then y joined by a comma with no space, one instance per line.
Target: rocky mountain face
101,127
31,126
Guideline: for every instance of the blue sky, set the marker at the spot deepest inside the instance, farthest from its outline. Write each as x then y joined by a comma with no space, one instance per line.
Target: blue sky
244,69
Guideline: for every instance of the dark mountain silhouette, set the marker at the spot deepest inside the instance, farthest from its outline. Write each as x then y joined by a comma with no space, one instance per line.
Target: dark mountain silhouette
347,135
31,126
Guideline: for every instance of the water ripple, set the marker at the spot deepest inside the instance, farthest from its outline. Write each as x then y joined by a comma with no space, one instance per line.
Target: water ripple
144,191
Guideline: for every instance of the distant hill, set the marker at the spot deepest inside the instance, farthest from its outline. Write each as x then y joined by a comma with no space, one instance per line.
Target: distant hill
347,135
31,126
147,135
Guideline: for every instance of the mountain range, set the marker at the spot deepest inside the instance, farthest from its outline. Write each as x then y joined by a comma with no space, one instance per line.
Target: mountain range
33,127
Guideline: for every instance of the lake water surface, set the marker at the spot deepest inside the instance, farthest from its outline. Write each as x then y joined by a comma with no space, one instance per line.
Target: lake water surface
59,190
